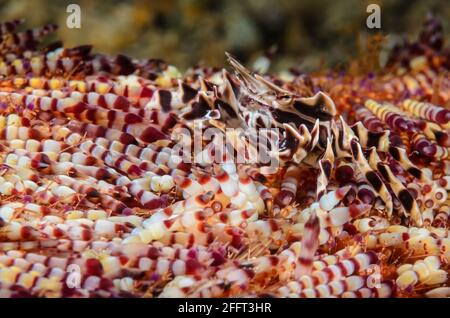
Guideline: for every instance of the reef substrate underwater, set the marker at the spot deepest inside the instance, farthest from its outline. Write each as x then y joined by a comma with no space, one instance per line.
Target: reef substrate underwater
100,199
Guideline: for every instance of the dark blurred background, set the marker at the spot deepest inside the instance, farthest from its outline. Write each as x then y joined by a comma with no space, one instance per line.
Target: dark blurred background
307,33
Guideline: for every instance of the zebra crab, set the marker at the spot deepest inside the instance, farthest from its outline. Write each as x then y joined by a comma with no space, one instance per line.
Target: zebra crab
311,136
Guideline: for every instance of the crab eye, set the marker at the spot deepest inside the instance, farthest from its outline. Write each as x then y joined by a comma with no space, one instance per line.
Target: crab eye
285,99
